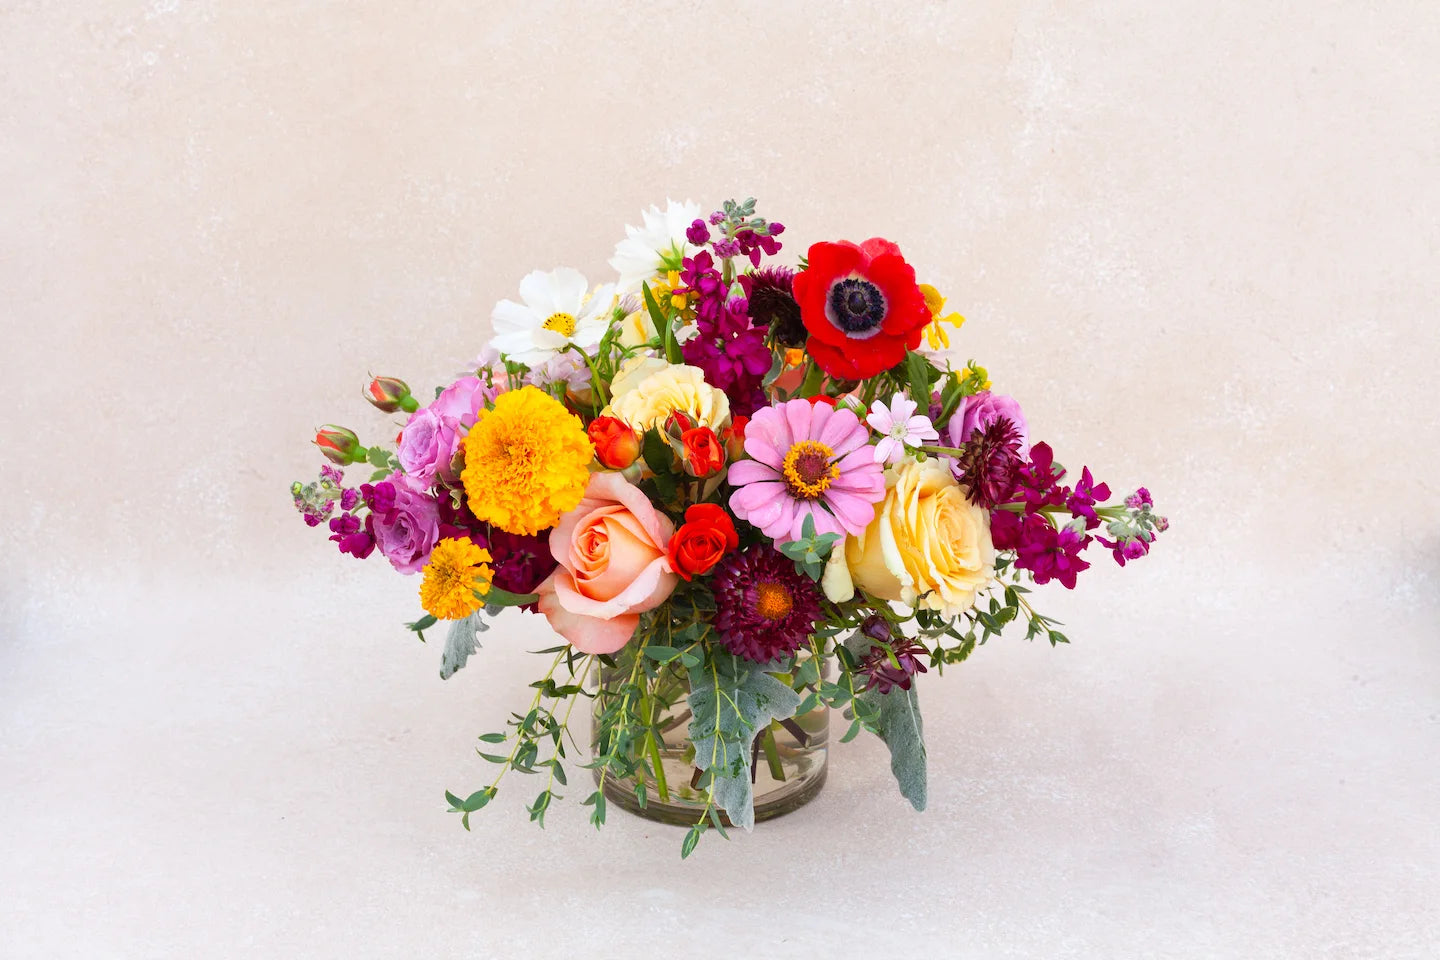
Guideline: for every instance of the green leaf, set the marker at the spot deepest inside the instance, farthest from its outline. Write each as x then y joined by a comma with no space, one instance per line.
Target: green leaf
731,700
492,738
917,371
660,653
663,327
495,597
692,837
461,641
424,623
657,453
897,722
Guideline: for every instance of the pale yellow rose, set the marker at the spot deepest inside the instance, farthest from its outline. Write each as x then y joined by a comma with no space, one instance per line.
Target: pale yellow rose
647,401
928,545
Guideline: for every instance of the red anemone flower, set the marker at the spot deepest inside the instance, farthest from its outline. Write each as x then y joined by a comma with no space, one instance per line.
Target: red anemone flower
861,305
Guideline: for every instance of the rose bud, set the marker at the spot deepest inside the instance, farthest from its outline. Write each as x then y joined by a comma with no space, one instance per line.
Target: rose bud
703,453
616,445
340,445
734,437
389,394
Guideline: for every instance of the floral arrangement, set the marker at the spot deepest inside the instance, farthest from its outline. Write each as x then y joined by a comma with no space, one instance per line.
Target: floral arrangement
767,482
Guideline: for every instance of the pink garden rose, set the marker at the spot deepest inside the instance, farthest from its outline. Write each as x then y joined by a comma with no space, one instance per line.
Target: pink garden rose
983,409
406,525
429,441
613,566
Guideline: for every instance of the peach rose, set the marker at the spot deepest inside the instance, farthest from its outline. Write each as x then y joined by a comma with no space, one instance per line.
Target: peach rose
613,566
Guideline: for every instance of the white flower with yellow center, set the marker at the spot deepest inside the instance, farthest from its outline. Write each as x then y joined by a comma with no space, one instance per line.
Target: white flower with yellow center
657,246
555,311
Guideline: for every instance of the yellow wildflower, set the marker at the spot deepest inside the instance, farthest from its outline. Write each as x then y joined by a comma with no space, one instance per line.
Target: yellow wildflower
526,462
456,578
935,334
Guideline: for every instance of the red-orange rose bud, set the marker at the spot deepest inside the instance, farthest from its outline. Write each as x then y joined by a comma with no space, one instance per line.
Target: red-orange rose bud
702,541
735,437
616,445
339,445
390,394
703,453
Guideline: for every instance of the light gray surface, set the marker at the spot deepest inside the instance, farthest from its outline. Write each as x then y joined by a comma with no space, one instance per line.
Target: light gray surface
1197,240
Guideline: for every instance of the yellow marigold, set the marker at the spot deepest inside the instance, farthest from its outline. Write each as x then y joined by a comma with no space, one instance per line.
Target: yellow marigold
645,393
526,462
456,578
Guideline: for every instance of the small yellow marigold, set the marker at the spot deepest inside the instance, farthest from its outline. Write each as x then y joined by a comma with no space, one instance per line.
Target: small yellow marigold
456,578
526,462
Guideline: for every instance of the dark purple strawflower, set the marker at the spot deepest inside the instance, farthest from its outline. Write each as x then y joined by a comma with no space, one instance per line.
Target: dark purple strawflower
353,537
772,304
765,609
990,466
697,233
1087,493
521,563
885,674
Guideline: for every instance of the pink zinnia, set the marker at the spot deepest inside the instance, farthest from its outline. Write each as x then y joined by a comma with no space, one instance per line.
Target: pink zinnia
808,460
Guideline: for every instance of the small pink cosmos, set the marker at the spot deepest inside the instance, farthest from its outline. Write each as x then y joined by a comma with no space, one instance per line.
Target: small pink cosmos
899,427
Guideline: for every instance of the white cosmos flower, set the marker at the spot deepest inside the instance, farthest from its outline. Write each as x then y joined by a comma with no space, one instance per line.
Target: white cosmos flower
555,311
643,252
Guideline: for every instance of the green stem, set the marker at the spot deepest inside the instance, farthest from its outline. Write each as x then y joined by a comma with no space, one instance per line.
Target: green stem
652,746
772,755
597,383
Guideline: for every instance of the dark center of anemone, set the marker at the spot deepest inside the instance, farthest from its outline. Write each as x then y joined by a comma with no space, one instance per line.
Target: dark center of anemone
856,305
773,600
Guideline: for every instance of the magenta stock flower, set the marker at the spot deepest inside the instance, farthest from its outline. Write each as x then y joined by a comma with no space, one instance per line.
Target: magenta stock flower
1048,553
809,460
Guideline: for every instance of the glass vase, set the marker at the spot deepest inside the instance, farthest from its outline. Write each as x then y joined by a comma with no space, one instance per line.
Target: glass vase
787,758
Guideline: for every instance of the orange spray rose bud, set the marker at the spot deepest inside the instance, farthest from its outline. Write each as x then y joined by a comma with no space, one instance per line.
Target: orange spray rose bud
704,454
390,394
616,445
734,437
340,445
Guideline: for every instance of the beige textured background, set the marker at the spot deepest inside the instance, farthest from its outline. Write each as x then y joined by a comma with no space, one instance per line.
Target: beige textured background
1198,240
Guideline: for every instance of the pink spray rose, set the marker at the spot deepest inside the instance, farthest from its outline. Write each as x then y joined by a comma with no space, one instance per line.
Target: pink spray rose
983,409
429,441
613,566
405,522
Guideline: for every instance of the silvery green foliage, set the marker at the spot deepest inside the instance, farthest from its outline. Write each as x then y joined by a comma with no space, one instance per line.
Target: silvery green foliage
898,724
733,699
461,641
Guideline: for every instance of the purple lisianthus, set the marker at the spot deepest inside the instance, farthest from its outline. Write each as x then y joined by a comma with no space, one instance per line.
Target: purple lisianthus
982,409
405,521
429,441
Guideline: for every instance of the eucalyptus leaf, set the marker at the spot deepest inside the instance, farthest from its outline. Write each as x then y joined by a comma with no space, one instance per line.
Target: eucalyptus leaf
731,700
898,724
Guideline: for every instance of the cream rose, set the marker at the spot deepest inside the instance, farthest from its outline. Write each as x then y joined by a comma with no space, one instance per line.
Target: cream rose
928,545
645,393
613,566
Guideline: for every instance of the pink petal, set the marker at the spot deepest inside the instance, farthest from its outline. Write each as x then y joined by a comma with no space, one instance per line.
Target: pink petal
854,511
798,414
844,433
752,471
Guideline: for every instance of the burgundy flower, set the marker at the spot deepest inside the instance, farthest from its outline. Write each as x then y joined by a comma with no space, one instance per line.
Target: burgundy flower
991,463
766,610
772,304
883,673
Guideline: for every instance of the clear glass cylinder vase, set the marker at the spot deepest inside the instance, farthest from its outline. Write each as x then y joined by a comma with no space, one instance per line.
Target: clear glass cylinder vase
788,758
